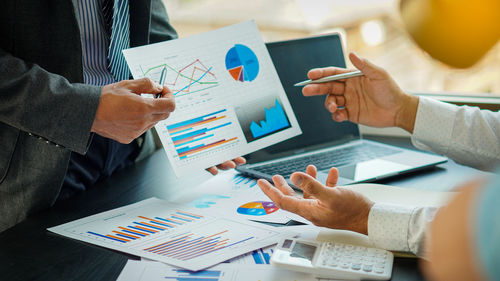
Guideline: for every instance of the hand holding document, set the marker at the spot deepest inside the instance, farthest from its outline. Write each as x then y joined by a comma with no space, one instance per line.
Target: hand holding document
229,99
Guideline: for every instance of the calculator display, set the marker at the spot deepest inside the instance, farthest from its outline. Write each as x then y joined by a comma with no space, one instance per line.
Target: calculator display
303,251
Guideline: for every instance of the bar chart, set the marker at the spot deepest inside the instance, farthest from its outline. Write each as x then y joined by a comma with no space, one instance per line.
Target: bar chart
202,134
226,69
242,182
188,247
148,226
171,233
186,275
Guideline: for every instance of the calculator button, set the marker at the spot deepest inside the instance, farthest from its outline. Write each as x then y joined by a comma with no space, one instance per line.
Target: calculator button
367,268
356,266
344,265
379,270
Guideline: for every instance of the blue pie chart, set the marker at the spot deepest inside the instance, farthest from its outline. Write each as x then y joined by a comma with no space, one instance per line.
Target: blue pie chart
242,63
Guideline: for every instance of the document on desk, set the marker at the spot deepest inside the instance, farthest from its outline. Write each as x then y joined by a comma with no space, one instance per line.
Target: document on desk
171,233
239,197
229,99
152,271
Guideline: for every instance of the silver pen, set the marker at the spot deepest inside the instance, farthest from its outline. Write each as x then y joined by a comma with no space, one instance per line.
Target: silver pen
162,79
331,78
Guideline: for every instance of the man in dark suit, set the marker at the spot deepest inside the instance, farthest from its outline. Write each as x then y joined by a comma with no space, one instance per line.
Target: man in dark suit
65,124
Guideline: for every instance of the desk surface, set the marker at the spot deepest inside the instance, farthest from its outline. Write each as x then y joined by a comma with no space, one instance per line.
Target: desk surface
29,252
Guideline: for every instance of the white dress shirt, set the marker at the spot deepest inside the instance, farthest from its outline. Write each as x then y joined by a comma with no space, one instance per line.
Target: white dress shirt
465,134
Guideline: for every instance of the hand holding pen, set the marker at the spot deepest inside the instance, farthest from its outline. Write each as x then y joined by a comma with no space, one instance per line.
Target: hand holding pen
163,76
372,99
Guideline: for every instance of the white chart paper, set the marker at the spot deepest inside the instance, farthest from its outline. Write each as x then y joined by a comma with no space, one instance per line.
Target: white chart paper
152,271
238,197
171,233
229,99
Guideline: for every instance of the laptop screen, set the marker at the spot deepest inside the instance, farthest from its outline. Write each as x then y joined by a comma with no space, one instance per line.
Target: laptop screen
292,60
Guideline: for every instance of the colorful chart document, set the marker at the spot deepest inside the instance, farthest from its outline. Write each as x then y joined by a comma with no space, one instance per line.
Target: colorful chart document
152,271
229,99
171,233
236,196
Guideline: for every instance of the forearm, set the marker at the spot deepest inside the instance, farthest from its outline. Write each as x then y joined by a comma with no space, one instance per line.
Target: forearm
400,228
466,134
45,104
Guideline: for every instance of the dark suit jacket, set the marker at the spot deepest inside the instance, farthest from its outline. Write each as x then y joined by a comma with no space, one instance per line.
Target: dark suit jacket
45,109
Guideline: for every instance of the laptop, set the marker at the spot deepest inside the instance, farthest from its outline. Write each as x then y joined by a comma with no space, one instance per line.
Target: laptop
325,143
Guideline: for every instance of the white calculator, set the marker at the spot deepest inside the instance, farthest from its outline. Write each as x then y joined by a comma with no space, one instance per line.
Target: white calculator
333,260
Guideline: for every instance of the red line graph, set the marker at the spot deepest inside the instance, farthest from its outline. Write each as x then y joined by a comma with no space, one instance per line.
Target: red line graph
201,68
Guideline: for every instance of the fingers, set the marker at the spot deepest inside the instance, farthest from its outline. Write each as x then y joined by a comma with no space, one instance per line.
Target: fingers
143,85
369,69
227,165
289,203
333,102
312,171
272,192
310,185
317,73
166,93
333,177
165,104
239,161
231,164
213,170
282,185
336,88
340,115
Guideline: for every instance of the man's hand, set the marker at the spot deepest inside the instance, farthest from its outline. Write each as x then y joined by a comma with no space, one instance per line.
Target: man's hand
230,164
373,99
328,206
124,115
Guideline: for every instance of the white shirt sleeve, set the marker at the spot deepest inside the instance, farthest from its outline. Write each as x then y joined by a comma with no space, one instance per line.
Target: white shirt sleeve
400,228
467,135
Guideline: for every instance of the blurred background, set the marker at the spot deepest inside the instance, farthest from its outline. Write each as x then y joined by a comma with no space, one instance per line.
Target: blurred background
372,28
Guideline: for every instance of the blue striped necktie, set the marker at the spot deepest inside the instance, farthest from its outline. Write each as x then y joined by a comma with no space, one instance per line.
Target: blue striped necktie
120,38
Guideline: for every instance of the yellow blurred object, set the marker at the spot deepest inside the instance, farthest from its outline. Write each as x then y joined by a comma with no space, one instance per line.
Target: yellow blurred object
456,32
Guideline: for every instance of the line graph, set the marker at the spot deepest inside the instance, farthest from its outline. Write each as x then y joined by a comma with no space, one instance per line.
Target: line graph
191,78
229,68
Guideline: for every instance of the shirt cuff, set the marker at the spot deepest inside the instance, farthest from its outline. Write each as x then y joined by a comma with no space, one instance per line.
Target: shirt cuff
433,124
388,226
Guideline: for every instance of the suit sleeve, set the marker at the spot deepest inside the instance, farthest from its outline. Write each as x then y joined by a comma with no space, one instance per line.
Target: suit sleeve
46,104
160,30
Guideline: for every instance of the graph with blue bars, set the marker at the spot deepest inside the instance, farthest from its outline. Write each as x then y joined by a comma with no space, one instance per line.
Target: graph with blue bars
275,120
190,245
262,256
186,275
146,226
242,182
200,134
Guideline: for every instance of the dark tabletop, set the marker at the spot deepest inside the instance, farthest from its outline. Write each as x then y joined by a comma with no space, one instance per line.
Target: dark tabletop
29,252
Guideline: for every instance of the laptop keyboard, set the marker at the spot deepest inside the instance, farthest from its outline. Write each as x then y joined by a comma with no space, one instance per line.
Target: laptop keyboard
328,159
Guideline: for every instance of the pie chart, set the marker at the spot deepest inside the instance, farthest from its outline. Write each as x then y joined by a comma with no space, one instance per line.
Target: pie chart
242,63
257,208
